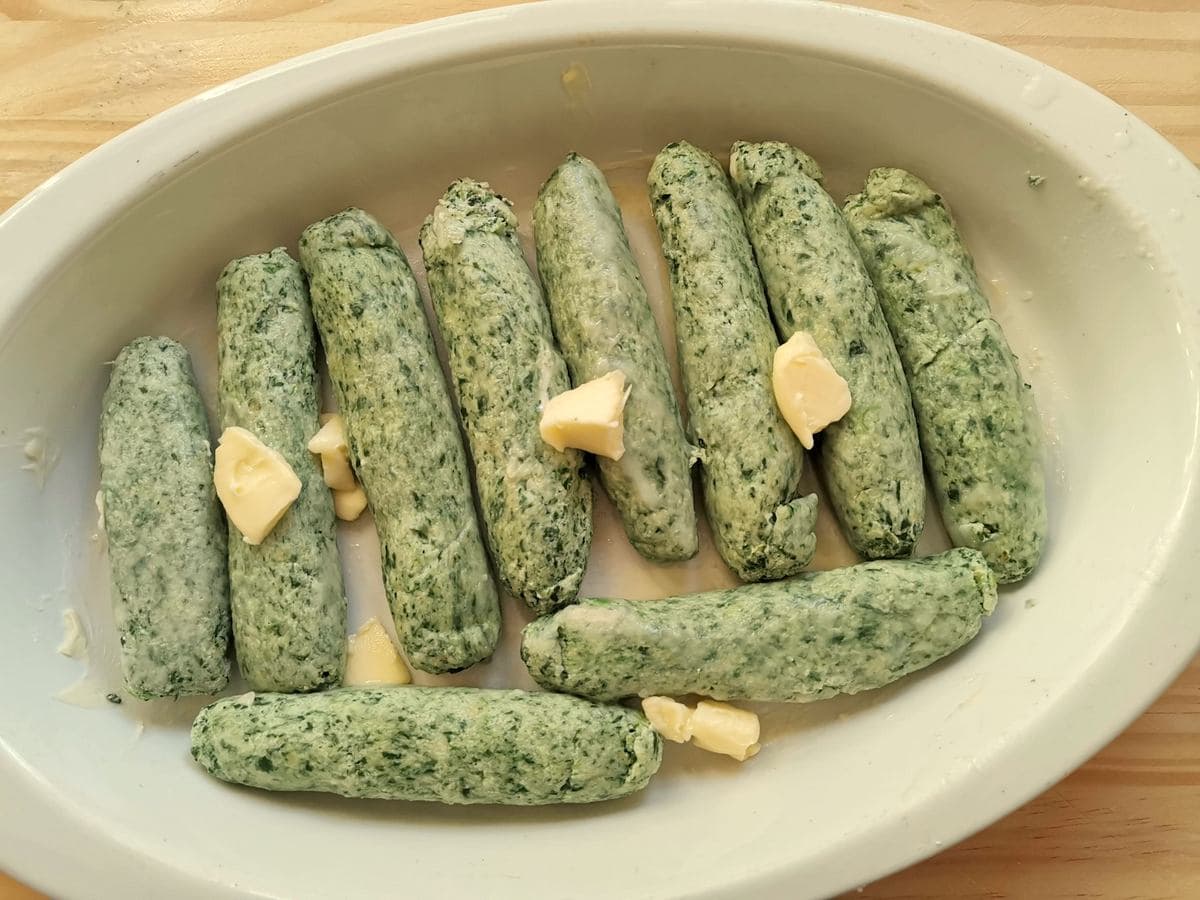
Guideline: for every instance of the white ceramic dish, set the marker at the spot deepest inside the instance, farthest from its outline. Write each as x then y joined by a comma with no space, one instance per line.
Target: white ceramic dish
1094,275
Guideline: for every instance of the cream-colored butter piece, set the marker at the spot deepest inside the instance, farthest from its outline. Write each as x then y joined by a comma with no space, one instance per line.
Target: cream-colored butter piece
721,728
809,391
331,437
74,642
331,445
337,472
349,505
254,483
589,417
670,718
372,659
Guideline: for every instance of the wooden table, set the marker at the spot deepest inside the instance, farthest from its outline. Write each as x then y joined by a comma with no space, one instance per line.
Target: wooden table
74,73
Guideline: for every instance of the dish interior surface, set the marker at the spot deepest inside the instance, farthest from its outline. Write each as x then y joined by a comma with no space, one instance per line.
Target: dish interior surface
842,789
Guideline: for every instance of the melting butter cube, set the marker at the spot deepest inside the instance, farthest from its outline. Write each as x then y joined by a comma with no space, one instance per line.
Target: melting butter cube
721,728
809,391
670,718
338,474
331,437
348,505
254,483
372,659
588,418
330,444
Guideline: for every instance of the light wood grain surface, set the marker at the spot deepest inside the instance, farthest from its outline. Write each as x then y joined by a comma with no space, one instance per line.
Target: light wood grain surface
74,73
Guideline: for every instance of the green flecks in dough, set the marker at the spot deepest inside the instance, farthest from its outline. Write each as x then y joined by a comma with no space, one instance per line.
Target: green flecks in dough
751,462
925,277
289,608
816,282
974,417
404,441
603,322
164,527
450,745
537,502
807,638
979,429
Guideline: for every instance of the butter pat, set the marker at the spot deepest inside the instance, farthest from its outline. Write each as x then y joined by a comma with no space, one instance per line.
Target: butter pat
716,727
338,474
349,499
348,505
254,483
809,391
74,641
331,437
330,444
670,718
372,659
721,728
588,418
